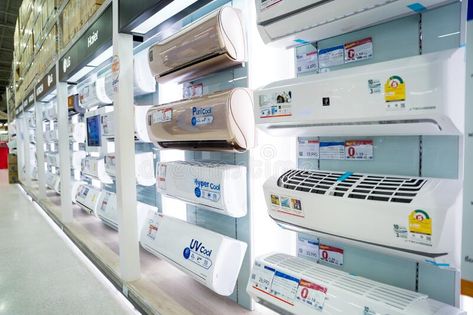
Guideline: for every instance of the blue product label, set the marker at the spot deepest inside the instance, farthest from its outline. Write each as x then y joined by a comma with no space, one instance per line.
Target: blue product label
198,254
201,116
207,190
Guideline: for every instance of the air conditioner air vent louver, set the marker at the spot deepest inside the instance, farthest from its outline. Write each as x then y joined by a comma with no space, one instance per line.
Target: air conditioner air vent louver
356,186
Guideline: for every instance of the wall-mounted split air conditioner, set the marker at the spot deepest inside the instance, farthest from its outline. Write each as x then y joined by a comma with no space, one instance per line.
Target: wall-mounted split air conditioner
94,167
77,132
76,159
301,287
99,130
52,158
53,181
88,197
50,112
220,121
107,211
413,217
51,136
421,95
213,43
76,185
144,82
141,131
95,92
210,258
144,168
287,23
216,187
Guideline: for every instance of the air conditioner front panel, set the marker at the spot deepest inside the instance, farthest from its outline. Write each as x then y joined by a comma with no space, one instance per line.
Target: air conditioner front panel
144,168
78,132
203,123
107,209
141,131
286,24
210,258
380,212
426,99
144,82
88,197
95,167
215,187
299,286
215,42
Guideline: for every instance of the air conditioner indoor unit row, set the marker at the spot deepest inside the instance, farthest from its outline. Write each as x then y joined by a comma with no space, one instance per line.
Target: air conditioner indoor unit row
212,43
301,287
212,186
51,136
88,197
107,211
221,121
412,217
287,23
77,132
212,259
94,167
421,95
144,168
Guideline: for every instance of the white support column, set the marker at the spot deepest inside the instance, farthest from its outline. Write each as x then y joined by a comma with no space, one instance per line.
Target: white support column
40,150
26,149
125,152
64,154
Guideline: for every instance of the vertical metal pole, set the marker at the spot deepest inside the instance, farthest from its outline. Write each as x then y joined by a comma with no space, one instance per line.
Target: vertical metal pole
26,149
125,151
40,150
64,154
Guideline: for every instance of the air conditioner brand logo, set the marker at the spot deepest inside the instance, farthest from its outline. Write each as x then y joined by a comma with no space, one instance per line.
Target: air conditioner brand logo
201,116
198,254
92,38
50,79
66,64
207,190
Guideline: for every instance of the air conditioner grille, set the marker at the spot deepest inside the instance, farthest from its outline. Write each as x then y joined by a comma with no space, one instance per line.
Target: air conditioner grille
355,186
394,297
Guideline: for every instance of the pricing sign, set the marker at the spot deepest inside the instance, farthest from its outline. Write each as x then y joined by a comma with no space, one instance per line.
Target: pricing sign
308,148
359,150
311,294
331,255
308,248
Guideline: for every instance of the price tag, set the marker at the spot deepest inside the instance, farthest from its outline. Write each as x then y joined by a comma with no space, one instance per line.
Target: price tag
359,50
308,248
161,115
311,294
306,61
284,287
262,277
332,150
331,255
162,176
309,148
359,150
331,56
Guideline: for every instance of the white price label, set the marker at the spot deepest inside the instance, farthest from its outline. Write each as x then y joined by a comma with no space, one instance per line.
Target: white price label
359,150
284,287
331,255
331,56
311,294
262,277
308,148
161,115
308,248
359,50
332,150
307,61
162,176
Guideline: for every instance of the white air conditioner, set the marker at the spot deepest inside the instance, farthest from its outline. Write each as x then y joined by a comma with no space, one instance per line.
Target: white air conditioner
99,130
76,185
88,197
53,181
94,92
414,217
144,168
50,112
210,258
216,187
51,136
141,131
94,167
144,82
52,158
213,43
298,286
107,211
287,23
104,87
220,121
76,159
77,132
421,95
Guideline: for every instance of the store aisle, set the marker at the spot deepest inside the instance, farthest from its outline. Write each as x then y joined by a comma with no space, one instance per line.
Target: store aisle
39,272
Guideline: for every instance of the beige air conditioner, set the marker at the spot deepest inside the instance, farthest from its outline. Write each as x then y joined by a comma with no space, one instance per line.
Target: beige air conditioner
221,121
213,43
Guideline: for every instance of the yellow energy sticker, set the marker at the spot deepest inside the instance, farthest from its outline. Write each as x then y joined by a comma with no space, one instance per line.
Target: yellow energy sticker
395,89
275,200
420,222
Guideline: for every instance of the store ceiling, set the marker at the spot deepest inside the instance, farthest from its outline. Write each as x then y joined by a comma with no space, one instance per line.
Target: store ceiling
8,15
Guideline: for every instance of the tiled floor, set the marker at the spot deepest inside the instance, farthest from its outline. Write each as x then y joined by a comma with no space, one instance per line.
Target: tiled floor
39,271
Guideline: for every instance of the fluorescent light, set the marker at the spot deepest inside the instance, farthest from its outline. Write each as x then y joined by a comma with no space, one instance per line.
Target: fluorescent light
107,54
162,15
448,34
81,73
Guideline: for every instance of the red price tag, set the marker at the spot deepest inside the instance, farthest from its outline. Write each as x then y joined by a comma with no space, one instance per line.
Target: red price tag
331,255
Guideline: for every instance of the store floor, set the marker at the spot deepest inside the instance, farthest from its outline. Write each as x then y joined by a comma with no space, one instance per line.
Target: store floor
39,272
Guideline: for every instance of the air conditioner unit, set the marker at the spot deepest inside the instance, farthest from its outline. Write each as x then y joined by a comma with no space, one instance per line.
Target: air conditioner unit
51,136
77,132
104,87
88,198
421,95
76,159
94,93
141,131
94,167
213,43
53,181
288,24
220,121
144,168
99,127
216,187
76,185
144,82
107,211
210,258
418,218
298,286
50,112
52,159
